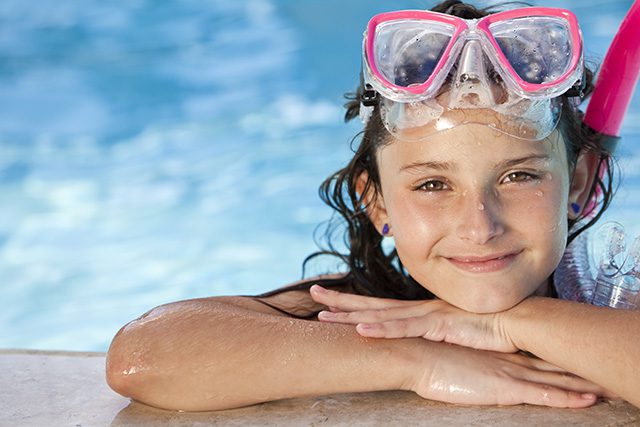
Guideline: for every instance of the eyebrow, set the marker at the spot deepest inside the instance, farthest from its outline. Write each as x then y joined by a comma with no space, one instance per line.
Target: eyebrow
417,166
447,166
525,159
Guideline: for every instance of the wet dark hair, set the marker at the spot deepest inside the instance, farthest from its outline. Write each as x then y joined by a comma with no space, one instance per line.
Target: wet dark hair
376,272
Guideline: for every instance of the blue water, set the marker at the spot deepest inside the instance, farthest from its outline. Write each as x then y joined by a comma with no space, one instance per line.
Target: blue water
154,151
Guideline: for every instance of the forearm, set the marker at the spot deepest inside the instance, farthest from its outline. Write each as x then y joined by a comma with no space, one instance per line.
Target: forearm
205,355
599,344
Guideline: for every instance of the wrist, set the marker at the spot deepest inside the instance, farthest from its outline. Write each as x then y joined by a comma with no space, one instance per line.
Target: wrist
515,322
416,360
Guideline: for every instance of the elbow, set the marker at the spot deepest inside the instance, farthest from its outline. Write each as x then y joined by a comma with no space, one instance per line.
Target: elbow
128,362
169,359
119,366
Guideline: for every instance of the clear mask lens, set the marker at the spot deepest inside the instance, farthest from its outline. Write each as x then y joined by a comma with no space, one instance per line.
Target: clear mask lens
407,52
537,48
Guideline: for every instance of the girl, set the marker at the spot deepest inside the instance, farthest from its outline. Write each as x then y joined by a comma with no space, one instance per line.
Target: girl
475,161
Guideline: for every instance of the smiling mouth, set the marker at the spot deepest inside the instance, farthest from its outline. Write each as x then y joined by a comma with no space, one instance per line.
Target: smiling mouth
486,264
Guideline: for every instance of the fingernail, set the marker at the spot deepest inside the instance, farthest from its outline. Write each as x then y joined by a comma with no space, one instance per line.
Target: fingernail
368,326
319,289
326,315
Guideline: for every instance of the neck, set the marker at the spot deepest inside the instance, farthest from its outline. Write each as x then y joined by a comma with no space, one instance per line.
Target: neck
545,290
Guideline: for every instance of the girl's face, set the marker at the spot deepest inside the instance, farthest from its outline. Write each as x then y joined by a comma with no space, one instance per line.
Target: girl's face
478,218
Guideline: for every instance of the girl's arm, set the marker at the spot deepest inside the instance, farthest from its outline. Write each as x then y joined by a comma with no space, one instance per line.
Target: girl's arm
226,352
595,343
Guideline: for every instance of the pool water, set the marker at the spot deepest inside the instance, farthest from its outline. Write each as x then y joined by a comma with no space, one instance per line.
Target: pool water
152,151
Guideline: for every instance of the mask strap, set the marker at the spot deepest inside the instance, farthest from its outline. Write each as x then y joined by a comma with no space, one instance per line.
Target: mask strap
577,90
368,100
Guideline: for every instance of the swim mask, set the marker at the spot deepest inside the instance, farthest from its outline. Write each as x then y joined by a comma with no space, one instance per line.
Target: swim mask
426,70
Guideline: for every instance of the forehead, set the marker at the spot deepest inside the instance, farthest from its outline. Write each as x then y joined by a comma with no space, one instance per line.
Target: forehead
470,144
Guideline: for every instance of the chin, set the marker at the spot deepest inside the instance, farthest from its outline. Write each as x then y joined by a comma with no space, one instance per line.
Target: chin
488,305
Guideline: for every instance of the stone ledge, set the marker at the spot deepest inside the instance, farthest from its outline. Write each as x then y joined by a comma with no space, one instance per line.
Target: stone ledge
39,388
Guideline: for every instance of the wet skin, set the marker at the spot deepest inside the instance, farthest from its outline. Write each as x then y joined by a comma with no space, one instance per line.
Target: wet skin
478,217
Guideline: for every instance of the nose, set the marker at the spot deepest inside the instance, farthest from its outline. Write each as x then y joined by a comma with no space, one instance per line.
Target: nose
479,219
472,85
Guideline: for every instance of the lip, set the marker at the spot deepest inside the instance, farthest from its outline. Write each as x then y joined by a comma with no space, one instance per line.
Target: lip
484,264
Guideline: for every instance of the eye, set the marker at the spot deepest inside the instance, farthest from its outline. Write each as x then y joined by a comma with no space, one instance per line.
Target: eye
433,185
521,177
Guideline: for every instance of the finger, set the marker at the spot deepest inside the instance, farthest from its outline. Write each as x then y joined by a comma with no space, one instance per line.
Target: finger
350,302
544,372
350,317
415,312
542,365
533,362
423,326
547,395
333,316
566,381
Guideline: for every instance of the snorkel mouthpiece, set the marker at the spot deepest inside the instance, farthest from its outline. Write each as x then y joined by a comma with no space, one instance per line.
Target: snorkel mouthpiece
617,283
598,269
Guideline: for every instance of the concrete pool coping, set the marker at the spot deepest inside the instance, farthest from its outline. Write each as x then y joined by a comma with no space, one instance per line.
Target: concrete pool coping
47,388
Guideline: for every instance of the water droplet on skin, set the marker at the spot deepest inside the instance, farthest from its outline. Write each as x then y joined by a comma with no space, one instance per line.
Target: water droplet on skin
131,370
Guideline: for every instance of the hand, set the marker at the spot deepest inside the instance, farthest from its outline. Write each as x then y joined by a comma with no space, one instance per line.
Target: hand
434,320
466,376
459,374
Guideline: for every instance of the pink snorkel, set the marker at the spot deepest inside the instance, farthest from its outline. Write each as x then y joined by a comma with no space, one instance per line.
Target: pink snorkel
610,99
614,88
617,78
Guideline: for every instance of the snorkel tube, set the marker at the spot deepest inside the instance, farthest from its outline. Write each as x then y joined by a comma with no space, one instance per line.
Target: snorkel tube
617,78
613,90
574,279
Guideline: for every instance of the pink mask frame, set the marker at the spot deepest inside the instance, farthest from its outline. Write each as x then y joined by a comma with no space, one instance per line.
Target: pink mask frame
463,28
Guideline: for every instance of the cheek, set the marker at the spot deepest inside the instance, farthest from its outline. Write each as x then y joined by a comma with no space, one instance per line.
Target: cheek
543,208
416,222
542,216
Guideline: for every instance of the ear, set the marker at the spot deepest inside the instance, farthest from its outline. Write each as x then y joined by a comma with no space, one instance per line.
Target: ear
582,180
373,202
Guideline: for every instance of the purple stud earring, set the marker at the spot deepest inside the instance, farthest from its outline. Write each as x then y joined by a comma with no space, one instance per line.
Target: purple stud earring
385,229
575,208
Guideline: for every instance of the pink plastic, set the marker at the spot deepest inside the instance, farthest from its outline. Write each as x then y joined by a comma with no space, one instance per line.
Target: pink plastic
460,25
485,22
617,78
